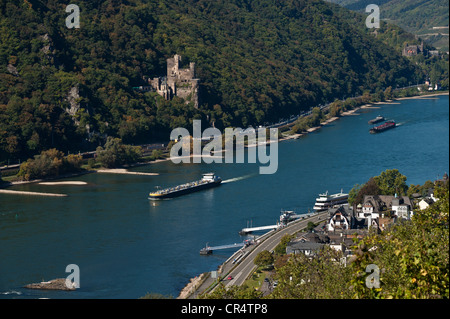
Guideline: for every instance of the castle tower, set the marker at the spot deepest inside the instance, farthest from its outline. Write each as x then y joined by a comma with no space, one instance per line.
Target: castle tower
173,65
192,68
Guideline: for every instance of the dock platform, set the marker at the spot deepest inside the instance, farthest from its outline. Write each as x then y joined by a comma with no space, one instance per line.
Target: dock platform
209,250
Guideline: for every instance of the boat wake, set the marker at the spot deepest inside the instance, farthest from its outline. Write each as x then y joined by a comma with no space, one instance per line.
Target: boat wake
235,179
12,292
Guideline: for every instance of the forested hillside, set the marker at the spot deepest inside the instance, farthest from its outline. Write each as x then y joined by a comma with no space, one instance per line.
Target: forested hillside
413,15
257,61
420,17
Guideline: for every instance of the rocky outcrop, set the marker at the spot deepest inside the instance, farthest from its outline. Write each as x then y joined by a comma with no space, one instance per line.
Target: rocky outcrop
73,97
55,284
12,69
193,284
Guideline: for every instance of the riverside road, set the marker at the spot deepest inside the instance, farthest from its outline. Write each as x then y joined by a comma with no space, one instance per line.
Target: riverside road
245,267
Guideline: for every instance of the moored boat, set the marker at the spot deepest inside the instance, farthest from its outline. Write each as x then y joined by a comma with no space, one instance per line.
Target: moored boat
325,201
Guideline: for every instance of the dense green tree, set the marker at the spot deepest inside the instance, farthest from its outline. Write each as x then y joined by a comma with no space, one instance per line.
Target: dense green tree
369,188
391,182
264,258
50,163
280,249
117,154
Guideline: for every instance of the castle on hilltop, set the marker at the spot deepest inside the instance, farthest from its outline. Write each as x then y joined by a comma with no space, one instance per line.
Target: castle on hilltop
177,82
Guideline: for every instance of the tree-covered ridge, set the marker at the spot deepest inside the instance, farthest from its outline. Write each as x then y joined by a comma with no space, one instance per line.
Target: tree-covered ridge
416,16
413,15
257,61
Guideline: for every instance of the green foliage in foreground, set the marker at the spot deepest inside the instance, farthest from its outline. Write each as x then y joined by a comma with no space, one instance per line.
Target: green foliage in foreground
413,257
233,292
313,278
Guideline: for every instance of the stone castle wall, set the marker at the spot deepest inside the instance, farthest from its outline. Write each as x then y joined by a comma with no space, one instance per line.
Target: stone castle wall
177,82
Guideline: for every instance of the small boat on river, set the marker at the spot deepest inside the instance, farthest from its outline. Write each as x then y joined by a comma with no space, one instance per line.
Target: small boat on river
378,119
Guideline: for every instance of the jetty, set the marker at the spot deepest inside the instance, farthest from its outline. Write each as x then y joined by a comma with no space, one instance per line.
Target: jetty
254,229
286,216
209,250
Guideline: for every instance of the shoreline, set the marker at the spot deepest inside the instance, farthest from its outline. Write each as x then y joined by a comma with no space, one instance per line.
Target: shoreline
47,181
281,139
352,112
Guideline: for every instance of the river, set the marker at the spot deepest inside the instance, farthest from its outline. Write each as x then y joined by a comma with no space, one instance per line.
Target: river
126,245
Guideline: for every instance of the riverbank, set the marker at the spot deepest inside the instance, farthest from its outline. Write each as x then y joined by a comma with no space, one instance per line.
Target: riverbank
285,137
48,181
353,111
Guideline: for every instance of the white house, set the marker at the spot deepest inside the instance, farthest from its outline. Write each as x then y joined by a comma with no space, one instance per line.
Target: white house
371,207
400,208
377,206
339,218
427,201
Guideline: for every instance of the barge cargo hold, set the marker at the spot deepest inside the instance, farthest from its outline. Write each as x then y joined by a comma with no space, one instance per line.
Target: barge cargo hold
208,180
383,127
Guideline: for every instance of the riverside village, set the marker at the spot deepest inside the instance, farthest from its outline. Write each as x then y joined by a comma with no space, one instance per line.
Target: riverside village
345,222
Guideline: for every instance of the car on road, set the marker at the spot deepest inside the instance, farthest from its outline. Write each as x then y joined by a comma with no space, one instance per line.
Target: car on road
230,277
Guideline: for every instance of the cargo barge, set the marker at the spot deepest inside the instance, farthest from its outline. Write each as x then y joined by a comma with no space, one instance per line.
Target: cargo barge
383,127
208,180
